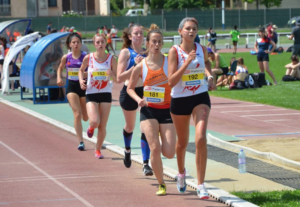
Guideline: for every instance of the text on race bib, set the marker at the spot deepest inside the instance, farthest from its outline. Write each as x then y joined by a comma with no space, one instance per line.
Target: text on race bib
100,74
73,73
192,77
154,94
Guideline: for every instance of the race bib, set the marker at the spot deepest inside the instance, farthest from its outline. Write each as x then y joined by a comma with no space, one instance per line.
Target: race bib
154,94
73,73
100,74
193,77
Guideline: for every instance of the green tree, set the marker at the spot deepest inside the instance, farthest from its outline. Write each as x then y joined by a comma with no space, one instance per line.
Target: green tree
266,3
182,4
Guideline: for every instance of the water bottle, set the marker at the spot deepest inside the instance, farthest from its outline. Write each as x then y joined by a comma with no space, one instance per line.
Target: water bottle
242,162
268,83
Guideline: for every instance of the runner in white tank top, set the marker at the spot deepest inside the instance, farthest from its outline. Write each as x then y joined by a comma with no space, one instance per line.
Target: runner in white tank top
101,68
188,65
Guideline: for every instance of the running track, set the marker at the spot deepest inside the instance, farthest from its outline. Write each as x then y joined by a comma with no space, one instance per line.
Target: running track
41,167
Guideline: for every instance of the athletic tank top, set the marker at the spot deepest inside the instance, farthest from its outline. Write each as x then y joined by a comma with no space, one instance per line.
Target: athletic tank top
222,63
98,80
73,66
133,54
192,82
156,88
2,53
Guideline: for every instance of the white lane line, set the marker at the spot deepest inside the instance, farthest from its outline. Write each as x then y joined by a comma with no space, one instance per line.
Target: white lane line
243,111
224,107
278,120
48,176
271,114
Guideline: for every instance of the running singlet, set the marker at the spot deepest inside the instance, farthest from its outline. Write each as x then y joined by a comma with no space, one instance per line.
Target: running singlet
73,66
98,80
2,53
156,88
263,44
130,61
192,82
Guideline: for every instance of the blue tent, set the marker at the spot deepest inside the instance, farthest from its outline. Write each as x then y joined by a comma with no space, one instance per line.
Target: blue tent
38,70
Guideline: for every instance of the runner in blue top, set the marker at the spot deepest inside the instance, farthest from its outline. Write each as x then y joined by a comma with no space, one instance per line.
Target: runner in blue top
131,54
75,95
262,49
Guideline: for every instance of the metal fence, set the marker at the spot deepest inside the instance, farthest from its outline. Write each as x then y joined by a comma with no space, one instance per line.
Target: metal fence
169,20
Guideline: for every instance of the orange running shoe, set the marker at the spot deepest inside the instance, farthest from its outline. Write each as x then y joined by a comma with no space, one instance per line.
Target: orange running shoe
98,154
90,132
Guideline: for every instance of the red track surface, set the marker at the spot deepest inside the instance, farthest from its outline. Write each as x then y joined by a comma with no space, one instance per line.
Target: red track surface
40,166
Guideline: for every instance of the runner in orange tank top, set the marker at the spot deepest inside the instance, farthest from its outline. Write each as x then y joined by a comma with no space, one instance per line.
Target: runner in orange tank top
155,105
109,42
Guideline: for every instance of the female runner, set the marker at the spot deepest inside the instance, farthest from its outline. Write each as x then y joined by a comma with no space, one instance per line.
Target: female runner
155,112
101,67
131,54
75,95
188,65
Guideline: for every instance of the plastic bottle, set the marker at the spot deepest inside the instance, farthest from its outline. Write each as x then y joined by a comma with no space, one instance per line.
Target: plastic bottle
268,83
242,162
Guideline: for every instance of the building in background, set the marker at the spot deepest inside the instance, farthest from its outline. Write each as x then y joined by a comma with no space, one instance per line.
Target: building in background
40,8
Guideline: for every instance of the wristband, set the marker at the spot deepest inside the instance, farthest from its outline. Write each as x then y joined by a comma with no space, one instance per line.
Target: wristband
212,77
134,64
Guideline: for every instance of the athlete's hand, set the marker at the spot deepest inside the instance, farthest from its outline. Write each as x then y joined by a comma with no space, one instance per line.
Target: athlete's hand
82,84
142,103
267,51
191,56
211,85
138,59
60,82
110,74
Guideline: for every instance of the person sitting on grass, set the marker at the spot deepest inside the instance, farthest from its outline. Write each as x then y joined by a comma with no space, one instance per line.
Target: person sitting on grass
241,70
293,68
224,80
218,64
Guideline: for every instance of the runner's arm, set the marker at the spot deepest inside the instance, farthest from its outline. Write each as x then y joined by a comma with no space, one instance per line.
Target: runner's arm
83,66
113,72
122,74
135,75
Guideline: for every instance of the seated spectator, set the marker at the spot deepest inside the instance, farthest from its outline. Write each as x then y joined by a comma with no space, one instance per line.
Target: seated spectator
48,68
63,29
219,66
293,68
225,79
241,70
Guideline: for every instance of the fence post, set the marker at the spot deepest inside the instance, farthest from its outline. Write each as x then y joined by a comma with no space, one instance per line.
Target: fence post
213,18
137,19
58,21
240,18
111,20
162,19
290,16
85,24
185,12
265,16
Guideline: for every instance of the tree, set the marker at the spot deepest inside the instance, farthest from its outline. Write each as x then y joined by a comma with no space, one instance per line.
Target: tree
182,4
267,3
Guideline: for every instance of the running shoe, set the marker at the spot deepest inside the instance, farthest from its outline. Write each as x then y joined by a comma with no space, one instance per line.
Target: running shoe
81,146
181,184
98,154
90,132
147,170
127,159
162,190
202,192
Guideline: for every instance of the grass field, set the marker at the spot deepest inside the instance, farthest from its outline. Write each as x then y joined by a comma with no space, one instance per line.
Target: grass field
285,94
272,199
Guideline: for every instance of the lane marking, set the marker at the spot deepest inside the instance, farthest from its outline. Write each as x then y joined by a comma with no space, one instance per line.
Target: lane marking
279,120
224,107
48,176
253,110
34,201
259,135
271,114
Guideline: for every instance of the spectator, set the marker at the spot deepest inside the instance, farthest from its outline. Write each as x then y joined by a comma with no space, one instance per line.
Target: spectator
269,30
225,79
208,36
274,36
114,32
219,66
241,70
296,35
2,54
72,29
101,30
49,27
63,29
235,35
261,46
67,29
213,39
293,68
130,24
197,39
105,30
109,42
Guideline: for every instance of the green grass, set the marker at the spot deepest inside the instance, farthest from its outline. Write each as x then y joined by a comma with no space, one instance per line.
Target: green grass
285,94
272,199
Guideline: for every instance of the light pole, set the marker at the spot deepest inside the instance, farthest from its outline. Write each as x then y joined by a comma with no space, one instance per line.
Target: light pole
223,14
